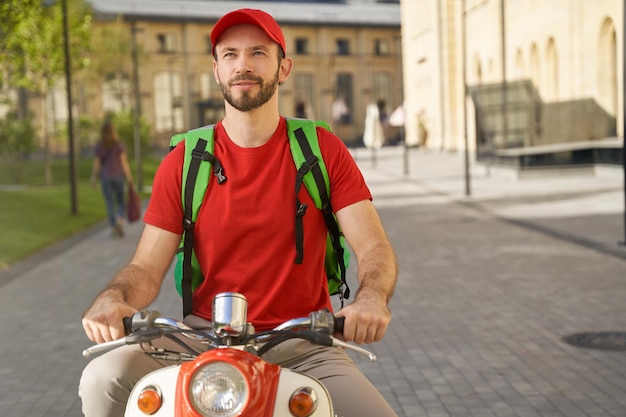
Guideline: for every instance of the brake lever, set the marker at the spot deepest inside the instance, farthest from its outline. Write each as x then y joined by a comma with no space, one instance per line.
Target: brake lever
133,339
325,339
371,356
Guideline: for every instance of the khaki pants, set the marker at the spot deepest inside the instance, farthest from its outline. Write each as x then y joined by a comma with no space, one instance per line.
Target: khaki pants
107,380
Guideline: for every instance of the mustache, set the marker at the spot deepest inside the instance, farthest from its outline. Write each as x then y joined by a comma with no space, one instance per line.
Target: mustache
245,78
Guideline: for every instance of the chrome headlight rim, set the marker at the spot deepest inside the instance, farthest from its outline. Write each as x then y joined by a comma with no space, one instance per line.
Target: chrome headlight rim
219,389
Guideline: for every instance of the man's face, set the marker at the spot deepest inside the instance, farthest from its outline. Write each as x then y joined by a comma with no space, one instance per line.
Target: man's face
247,67
244,99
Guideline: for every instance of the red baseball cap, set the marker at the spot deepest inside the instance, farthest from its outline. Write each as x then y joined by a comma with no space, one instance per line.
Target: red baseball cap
248,17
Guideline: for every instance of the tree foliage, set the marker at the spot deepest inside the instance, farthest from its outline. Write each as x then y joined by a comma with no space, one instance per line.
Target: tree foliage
33,50
125,128
17,141
32,45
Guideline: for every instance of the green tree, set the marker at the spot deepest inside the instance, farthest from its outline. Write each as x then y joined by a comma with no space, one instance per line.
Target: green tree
32,49
110,60
17,141
124,124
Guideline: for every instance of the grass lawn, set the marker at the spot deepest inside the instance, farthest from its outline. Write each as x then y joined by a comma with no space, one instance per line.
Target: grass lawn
33,216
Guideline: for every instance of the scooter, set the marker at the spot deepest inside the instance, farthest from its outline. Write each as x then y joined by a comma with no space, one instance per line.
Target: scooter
228,378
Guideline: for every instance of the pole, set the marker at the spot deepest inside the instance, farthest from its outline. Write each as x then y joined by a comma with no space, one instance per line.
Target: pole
505,122
468,190
172,106
70,121
137,110
624,111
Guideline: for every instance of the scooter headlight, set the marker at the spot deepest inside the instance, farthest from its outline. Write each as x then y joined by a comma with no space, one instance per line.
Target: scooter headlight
218,389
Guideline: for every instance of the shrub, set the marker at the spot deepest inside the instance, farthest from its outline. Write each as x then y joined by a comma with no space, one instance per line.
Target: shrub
17,142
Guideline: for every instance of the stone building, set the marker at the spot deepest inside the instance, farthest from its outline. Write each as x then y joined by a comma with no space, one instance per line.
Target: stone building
346,54
537,72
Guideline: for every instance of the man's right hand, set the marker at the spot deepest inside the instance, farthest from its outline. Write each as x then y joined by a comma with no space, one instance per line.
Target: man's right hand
135,287
103,320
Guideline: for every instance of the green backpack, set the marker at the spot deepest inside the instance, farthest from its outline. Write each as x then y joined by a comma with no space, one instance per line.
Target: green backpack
200,164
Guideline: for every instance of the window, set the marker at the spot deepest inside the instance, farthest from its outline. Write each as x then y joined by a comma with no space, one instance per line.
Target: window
381,87
381,47
343,47
305,95
302,46
382,93
342,106
116,94
167,101
209,89
166,43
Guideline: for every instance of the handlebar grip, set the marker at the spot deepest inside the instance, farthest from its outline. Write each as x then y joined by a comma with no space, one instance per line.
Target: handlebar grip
128,325
338,325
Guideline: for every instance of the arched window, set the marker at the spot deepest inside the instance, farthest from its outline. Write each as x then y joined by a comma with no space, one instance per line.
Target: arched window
607,68
520,71
478,70
551,81
534,66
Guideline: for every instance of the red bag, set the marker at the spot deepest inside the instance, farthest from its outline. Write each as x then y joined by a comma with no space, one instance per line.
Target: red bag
134,205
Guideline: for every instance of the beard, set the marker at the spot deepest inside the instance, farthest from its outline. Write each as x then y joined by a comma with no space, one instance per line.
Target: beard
248,102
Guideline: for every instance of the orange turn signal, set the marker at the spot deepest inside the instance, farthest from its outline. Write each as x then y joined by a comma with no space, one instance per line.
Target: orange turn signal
150,400
303,402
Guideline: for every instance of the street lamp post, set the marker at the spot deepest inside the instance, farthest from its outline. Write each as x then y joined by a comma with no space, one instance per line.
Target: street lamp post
468,188
624,113
70,122
137,111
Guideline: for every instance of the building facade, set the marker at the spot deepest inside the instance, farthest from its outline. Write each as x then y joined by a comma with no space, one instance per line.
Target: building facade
536,72
346,54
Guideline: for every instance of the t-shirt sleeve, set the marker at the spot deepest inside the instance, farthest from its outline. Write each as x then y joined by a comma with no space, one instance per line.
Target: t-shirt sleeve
347,185
165,207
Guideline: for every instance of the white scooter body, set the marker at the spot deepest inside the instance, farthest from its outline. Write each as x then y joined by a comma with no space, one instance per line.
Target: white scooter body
289,382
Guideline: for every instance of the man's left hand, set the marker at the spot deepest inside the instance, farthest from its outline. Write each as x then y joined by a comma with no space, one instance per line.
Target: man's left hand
366,320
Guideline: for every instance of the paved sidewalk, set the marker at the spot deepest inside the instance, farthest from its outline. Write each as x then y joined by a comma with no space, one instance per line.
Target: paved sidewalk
489,286
584,205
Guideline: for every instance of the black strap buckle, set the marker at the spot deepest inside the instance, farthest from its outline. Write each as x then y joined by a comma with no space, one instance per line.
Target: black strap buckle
311,162
301,211
188,224
197,153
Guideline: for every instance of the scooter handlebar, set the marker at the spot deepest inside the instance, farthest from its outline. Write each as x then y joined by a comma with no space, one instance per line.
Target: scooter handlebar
338,325
128,325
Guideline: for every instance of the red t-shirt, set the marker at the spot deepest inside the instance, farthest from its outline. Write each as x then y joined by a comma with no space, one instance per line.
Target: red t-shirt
245,232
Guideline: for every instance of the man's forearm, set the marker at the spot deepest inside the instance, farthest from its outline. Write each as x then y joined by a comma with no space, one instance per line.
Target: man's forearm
377,273
132,286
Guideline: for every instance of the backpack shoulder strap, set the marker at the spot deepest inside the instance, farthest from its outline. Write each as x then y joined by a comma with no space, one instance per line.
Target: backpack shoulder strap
197,164
198,161
306,154
305,150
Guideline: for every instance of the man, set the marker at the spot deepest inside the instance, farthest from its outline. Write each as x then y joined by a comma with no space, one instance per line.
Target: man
242,240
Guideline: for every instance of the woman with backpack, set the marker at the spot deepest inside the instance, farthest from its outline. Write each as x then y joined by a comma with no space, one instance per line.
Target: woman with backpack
110,166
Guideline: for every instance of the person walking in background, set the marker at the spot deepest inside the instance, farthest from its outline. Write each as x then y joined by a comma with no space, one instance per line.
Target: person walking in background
110,166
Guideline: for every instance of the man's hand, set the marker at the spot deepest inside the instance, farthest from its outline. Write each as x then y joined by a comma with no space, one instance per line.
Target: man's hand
103,321
134,288
366,319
